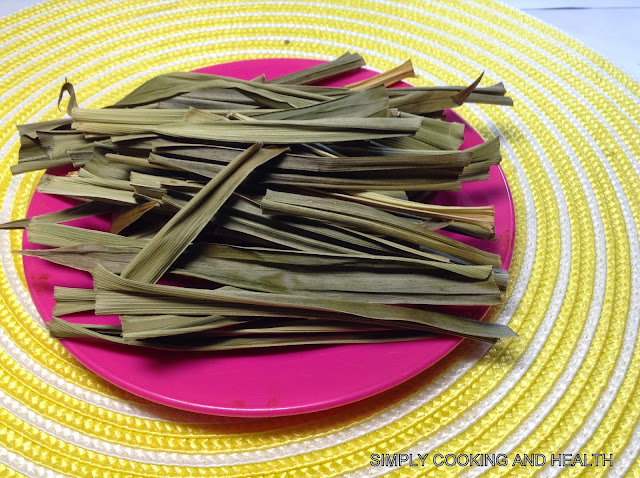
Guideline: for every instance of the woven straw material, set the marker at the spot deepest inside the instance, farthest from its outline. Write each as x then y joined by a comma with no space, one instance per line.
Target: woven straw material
569,384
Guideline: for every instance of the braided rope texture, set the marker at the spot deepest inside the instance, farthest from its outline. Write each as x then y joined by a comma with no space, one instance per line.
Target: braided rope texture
569,384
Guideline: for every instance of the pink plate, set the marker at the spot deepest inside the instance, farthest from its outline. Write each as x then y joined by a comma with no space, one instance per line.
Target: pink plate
261,384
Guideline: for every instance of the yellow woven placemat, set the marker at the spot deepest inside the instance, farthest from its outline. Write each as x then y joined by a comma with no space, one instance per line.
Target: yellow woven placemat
568,385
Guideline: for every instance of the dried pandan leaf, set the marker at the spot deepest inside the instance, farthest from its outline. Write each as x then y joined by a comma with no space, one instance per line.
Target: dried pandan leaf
345,63
296,178
386,78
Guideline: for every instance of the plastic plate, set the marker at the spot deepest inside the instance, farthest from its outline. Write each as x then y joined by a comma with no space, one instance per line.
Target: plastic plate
261,384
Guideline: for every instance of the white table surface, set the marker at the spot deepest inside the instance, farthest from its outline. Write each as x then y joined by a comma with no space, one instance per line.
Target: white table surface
611,28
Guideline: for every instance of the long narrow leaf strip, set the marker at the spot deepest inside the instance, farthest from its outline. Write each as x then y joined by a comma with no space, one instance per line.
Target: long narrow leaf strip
360,216
274,132
426,102
303,236
480,216
127,115
162,325
363,104
345,310
494,90
334,275
86,189
58,235
86,257
170,157
451,183
173,84
387,78
171,241
63,329
90,208
246,216
323,71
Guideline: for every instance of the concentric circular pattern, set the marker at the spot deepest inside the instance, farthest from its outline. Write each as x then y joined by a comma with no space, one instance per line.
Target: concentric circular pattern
569,384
